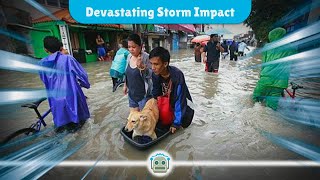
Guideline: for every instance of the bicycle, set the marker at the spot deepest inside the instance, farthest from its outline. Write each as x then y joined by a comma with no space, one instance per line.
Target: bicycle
119,83
294,87
298,109
35,127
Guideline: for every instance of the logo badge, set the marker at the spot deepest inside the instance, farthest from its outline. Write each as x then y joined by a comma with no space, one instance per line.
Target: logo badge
160,163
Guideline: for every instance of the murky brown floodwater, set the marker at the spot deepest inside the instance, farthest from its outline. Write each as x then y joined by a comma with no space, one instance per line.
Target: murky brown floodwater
225,127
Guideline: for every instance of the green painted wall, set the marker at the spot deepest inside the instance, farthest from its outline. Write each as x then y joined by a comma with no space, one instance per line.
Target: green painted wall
41,30
91,57
82,42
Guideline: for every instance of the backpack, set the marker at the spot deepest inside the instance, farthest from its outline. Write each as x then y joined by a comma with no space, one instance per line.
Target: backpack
166,114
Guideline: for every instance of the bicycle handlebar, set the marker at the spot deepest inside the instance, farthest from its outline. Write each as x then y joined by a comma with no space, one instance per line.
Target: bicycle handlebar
295,86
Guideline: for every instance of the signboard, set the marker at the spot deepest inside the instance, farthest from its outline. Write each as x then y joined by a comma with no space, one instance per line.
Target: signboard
65,38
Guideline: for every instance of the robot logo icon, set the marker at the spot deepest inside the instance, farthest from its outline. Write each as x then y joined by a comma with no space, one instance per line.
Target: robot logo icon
160,163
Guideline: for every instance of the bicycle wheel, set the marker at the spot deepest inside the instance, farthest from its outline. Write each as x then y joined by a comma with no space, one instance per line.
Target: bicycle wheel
120,83
19,134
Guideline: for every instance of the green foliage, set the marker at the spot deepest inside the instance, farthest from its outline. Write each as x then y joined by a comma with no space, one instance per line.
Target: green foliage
265,13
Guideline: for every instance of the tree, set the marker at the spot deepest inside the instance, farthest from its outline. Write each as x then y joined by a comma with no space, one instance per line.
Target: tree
265,13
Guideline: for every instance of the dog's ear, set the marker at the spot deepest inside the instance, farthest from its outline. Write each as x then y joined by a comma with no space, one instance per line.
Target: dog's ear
130,115
143,117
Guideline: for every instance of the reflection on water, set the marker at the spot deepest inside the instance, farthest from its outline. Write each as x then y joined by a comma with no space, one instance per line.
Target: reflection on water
225,127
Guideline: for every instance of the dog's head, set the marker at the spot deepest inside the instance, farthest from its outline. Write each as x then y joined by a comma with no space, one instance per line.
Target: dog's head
135,120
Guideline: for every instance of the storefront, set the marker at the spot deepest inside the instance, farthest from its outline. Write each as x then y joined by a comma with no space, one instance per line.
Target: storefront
83,40
178,35
78,39
155,36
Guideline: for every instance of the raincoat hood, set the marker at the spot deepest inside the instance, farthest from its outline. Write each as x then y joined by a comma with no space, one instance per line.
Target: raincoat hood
50,60
53,56
273,77
276,34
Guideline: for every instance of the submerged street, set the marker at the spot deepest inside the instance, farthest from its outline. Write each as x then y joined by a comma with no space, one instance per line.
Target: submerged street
227,124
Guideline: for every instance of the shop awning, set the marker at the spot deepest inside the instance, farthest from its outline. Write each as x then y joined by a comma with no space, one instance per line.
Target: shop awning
64,15
179,27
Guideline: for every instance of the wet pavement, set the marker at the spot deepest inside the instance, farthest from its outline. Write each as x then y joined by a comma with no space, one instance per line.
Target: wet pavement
227,125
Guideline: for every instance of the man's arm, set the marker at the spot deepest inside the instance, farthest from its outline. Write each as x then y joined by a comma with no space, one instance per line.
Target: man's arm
205,49
79,72
220,47
40,72
180,103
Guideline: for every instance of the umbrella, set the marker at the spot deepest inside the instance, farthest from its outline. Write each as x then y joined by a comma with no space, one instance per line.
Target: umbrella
204,43
219,31
201,38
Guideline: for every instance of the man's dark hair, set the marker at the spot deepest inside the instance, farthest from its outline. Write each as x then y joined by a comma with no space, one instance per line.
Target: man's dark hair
52,44
213,35
160,52
135,38
124,43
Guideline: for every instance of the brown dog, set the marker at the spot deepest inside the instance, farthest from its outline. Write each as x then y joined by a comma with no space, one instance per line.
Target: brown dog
145,121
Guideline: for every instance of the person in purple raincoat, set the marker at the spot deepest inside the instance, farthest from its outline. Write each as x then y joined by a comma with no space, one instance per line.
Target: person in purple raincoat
66,99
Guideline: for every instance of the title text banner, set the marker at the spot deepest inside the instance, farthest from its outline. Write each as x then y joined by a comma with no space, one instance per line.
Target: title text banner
160,11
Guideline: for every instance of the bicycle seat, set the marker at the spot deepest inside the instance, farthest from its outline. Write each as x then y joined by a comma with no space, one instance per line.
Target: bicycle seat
35,104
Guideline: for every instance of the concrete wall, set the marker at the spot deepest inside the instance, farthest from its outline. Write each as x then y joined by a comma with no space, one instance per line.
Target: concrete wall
183,38
6,44
14,21
162,42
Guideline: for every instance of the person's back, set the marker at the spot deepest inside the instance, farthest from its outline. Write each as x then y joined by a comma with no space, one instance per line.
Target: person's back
233,47
119,64
242,46
66,99
233,51
225,48
273,78
197,53
120,60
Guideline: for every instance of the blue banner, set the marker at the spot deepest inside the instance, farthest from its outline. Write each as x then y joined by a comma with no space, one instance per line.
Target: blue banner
160,11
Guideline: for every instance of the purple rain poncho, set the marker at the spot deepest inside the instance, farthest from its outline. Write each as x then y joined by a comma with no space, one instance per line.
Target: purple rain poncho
66,99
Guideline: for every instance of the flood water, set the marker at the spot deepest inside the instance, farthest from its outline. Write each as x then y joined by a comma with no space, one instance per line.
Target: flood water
226,125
